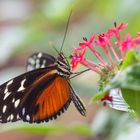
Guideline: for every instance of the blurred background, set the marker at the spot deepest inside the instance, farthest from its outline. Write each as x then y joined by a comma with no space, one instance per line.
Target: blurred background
28,26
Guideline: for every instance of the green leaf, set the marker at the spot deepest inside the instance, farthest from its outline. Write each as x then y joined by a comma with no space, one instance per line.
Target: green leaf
132,97
128,79
129,82
98,96
130,58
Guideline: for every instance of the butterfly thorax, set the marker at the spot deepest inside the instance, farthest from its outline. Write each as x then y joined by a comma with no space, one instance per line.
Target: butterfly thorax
63,65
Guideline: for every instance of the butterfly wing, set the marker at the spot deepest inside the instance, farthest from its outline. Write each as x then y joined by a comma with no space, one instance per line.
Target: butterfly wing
77,102
53,99
15,90
38,95
39,60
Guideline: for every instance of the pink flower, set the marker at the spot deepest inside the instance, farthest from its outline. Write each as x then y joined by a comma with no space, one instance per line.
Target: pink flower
115,31
137,39
111,53
138,33
107,97
102,40
77,58
108,64
127,44
87,43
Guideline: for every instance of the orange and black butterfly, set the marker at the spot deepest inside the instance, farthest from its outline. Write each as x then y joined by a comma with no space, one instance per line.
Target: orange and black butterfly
42,93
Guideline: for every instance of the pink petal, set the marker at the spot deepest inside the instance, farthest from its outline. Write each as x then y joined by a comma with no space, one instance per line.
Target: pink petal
92,38
122,26
77,58
138,33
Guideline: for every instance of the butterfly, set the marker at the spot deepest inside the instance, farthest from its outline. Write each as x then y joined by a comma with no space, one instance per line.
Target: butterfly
42,93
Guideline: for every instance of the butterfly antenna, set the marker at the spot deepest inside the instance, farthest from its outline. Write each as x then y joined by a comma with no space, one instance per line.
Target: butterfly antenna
52,45
66,30
56,49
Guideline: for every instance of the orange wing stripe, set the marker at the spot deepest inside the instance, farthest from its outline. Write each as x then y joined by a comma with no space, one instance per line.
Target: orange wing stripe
53,98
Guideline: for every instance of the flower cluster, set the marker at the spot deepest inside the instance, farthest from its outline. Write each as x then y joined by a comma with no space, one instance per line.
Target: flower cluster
114,52
111,51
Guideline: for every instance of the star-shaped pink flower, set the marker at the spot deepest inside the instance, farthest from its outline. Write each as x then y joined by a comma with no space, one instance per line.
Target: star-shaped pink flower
102,40
87,43
126,44
77,58
116,30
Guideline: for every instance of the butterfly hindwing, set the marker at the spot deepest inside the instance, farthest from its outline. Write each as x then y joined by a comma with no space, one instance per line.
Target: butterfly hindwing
14,91
40,60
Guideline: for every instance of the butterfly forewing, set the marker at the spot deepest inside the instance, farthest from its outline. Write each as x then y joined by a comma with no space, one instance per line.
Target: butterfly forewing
40,60
13,92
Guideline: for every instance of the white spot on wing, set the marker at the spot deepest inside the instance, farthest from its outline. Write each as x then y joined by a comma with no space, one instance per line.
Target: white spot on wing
37,63
43,65
22,85
6,95
4,108
6,90
11,117
23,111
8,119
17,103
40,55
18,116
31,61
10,82
27,117
13,100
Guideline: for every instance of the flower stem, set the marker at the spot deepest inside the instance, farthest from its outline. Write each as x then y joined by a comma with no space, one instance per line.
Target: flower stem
108,56
99,57
113,51
92,63
93,68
